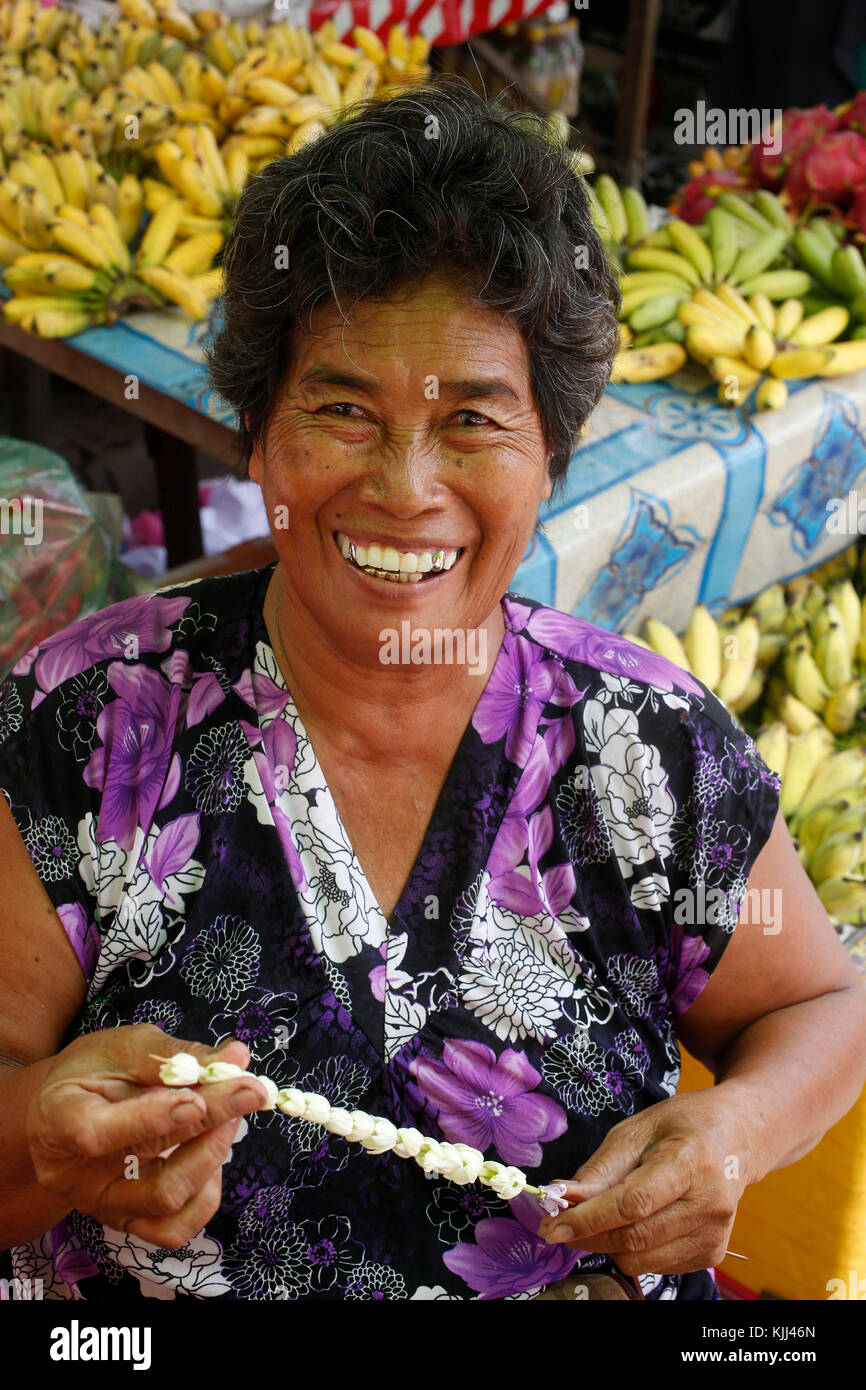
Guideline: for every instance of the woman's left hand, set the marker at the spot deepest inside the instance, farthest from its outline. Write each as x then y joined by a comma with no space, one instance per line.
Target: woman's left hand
660,1193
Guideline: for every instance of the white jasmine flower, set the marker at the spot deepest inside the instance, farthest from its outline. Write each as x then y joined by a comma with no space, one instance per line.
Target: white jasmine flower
316,1108
221,1071
383,1138
291,1102
409,1142
181,1070
339,1122
362,1126
272,1092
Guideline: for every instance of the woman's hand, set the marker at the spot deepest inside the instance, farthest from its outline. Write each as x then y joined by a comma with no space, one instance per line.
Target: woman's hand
660,1193
101,1120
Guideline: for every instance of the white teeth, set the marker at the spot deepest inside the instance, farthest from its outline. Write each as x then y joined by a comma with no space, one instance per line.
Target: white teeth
360,555
390,559
414,578
425,562
407,566
408,563
346,547
374,556
450,559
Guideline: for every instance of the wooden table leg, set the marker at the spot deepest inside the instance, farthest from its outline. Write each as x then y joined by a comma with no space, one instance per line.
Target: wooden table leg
177,488
640,43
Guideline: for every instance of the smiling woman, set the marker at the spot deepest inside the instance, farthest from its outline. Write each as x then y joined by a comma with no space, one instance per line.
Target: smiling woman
453,903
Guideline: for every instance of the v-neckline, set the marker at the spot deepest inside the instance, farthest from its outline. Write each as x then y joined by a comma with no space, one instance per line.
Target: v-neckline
341,877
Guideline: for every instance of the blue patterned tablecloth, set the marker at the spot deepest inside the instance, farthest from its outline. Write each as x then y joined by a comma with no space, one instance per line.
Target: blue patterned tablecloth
671,500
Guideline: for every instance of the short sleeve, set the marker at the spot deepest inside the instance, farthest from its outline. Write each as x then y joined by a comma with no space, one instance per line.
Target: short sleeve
726,802
45,742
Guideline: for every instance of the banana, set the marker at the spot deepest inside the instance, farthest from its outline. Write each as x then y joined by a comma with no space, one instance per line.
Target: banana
806,679
738,208
821,328
655,311
73,175
35,216
821,820
362,83
10,218
754,260
764,312
694,315
170,90
21,307
691,247
178,288
267,91
833,656
651,258
338,54
848,271
739,655
769,206
237,170
60,323
814,253
793,363
836,856
369,44
104,219
822,228
772,394
48,182
789,316
826,617
759,348
323,83
210,283
303,134
842,707
649,363
734,301
835,775
844,899
160,233
705,343
844,596
708,299
771,645
778,284
702,644
797,716
213,160
723,242
806,752
195,255
772,744
130,204
652,279
664,640
844,358
752,692
186,177
308,108
636,215
212,83
725,369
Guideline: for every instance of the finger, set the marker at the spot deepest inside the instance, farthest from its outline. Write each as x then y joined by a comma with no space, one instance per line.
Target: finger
163,1188
649,1188
619,1152
683,1256
662,1228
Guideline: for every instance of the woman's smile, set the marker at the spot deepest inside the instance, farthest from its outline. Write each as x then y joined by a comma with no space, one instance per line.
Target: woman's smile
391,565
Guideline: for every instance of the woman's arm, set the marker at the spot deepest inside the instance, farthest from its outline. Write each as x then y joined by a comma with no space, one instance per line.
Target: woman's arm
782,1022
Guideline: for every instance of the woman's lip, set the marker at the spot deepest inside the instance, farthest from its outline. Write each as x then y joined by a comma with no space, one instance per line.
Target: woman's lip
402,592
404,547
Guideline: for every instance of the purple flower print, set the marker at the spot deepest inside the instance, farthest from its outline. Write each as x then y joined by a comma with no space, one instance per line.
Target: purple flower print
509,1256
83,935
606,651
523,681
75,648
485,1101
130,768
691,978
531,896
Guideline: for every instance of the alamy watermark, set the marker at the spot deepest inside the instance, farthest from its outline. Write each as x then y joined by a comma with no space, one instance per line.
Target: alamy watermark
738,126
438,646
846,516
22,516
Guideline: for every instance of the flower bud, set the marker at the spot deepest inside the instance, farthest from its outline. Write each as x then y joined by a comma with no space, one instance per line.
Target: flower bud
362,1126
408,1143
508,1183
222,1071
272,1092
291,1102
430,1157
339,1122
182,1070
316,1108
383,1138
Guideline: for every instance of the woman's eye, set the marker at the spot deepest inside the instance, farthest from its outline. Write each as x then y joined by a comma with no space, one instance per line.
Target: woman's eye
342,408
477,419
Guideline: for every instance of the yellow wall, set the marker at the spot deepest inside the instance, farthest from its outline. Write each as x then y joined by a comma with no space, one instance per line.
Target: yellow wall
805,1224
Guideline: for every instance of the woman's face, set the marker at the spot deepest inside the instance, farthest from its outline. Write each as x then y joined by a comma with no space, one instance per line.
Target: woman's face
413,429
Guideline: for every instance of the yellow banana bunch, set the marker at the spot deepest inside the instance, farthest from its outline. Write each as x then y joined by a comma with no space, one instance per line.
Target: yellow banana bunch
651,363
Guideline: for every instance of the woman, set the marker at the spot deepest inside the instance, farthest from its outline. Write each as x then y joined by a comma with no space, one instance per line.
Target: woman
447,892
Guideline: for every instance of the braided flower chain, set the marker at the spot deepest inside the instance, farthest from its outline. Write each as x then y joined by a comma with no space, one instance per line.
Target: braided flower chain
460,1163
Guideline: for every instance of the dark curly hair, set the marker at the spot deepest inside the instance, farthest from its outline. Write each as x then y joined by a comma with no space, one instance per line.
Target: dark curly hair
434,177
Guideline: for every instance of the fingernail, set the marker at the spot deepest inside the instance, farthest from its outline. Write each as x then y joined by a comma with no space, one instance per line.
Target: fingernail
245,1100
187,1113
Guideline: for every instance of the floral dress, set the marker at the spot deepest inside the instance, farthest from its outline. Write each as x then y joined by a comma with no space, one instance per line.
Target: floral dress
522,999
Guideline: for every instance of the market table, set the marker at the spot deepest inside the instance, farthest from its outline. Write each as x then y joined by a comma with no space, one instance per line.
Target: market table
672,499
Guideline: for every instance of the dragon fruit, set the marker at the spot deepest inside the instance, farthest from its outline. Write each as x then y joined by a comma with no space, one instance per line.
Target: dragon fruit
857,211
699,195
828,172
801,127
853,113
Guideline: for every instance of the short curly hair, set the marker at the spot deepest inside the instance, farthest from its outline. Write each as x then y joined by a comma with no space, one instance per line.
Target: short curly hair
433,177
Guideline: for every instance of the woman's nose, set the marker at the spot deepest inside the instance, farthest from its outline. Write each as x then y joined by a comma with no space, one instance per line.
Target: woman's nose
405,476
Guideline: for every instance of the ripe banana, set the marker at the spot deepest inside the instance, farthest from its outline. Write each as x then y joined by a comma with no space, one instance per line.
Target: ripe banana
178,288
844,358
806,752
821,328
159,234
844,899
793,363
759,349
651,258
772,394
664,640
648,363
702,644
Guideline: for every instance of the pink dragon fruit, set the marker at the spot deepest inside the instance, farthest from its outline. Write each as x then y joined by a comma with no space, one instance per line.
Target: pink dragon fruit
829,172
699,195
801,127
853,113
856,217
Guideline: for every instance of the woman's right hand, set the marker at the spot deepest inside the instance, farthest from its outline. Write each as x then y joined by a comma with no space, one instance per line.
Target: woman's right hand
100,1121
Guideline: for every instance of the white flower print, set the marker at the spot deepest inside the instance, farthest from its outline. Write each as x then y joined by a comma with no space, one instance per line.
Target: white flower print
223,959
266,1022
670,1081
513,991
649,894
214,770
52,848
635,981
195,1268
632,787
589,1079
584,828
34,1267
434,1292
11,710
376,1282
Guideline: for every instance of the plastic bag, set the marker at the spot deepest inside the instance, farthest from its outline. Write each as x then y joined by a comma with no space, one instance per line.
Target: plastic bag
58,561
